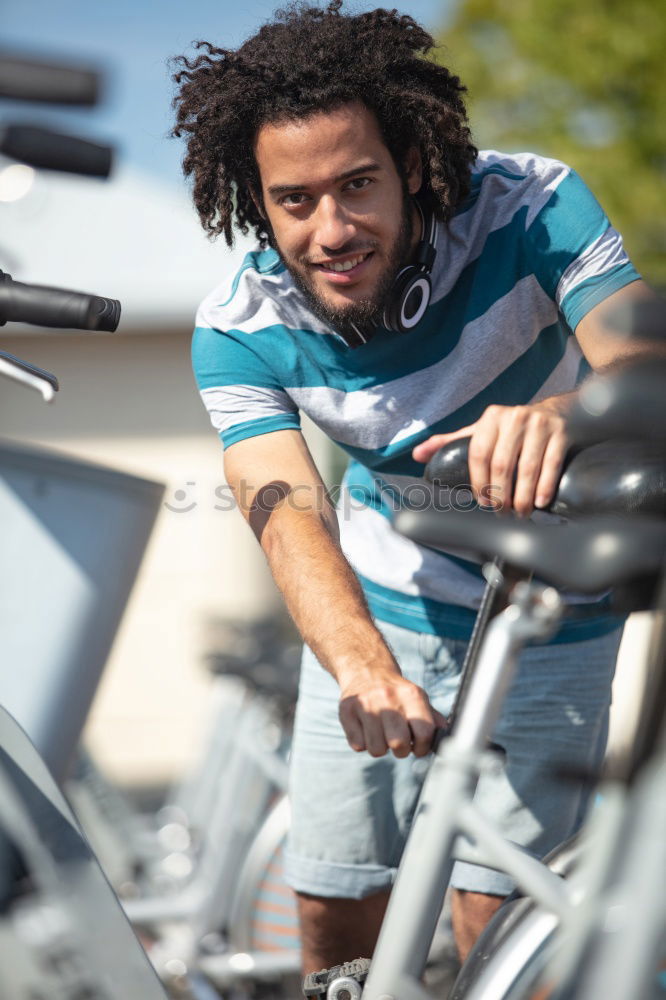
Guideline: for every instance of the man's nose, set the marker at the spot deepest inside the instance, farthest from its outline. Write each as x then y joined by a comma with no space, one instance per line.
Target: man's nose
334,226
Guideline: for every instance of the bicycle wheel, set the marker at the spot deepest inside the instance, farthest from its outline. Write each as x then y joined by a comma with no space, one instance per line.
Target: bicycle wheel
264,916
510,954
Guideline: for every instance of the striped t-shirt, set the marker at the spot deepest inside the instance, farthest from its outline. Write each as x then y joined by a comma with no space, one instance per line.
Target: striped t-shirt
525,257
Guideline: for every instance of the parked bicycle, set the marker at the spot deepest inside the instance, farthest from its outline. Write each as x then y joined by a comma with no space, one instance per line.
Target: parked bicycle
201,877
624,552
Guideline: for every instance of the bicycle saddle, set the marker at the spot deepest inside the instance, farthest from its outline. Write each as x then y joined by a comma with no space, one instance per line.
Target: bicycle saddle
613,477
587,556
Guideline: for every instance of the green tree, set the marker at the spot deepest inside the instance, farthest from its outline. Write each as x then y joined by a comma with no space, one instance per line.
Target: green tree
583,81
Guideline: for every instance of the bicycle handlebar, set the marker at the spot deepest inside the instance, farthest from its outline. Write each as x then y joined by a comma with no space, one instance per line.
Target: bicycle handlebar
42,147
55,307
49,83
616,477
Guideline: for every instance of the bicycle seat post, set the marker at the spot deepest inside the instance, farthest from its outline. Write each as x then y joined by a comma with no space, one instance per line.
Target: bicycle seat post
534,612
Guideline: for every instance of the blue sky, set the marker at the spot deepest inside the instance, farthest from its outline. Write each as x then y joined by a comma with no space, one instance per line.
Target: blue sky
132,41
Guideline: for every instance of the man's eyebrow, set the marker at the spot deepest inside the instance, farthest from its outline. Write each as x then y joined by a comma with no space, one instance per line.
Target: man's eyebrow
364,168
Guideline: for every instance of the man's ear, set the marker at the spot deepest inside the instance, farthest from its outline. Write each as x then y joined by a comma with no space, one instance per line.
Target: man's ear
413,169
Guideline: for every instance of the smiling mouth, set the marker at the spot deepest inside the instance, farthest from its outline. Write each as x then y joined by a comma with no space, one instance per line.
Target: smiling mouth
343,266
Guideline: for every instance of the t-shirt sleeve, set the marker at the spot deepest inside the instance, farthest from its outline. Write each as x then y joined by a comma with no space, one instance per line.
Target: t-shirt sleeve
238,387
579,259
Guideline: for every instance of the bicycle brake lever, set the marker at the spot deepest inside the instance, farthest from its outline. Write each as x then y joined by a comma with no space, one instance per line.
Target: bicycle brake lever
22,371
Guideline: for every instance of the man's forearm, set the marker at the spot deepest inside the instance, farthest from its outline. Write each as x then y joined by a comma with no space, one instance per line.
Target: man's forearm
563,402
323,595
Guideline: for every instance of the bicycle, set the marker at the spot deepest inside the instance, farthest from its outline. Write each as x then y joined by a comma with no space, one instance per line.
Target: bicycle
601,953
618,551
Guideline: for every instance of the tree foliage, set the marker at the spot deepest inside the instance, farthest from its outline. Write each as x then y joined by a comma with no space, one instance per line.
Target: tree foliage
583,81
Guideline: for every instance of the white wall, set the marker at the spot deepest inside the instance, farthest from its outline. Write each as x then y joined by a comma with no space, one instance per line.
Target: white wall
130,402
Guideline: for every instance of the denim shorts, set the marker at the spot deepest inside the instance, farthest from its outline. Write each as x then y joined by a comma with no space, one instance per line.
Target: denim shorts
351,812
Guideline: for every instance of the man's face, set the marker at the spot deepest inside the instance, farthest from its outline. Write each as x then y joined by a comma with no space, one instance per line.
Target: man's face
339,211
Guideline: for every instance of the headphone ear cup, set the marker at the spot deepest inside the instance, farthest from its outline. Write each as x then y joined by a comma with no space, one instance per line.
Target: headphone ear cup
409,300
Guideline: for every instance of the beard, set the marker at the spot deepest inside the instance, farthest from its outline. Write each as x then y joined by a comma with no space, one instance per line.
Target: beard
362,314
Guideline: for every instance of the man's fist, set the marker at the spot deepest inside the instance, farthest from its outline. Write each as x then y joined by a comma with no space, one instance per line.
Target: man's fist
387,712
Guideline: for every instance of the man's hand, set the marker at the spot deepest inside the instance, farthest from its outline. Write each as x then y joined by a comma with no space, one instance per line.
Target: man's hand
384,711
525,442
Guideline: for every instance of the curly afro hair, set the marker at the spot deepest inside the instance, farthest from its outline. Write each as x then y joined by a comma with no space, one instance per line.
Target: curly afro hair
311,59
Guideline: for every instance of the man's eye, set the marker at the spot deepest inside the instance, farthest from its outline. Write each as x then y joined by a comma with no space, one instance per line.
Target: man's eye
296,198
359,182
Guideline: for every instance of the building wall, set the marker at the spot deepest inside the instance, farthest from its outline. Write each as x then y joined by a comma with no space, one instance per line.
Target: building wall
130,402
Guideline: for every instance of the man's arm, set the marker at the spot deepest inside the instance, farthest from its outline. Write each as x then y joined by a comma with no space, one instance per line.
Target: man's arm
282,497
530,442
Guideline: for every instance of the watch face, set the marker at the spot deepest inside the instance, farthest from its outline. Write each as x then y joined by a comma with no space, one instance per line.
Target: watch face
61,926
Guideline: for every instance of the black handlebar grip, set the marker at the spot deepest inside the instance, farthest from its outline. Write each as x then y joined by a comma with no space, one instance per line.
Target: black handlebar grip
61,308
48,83
41,147
613,478
449,467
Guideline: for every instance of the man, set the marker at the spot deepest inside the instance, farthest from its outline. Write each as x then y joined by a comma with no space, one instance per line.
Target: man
336,142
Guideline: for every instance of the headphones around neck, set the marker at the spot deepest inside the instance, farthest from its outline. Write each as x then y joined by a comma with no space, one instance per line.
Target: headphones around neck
412,289
410,295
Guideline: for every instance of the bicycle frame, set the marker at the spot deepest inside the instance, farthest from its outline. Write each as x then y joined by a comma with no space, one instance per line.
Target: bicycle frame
610,942
447,825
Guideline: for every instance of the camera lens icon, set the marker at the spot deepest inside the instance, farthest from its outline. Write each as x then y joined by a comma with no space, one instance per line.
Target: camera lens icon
181,496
